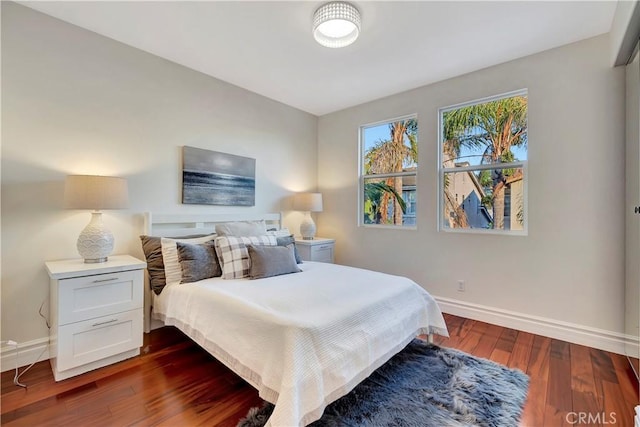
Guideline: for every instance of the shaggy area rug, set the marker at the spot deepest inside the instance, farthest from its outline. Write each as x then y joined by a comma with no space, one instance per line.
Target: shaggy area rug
425,386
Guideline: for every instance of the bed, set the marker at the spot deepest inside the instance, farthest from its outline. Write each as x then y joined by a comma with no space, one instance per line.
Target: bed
302,340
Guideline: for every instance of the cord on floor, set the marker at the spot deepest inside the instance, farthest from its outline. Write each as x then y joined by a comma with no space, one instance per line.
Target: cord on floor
16,378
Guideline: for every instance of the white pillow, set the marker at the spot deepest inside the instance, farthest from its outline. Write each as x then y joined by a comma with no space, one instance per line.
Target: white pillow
283,232
233,254
172,269
242,228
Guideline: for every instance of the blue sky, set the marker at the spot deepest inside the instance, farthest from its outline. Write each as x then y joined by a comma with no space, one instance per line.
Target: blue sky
375,133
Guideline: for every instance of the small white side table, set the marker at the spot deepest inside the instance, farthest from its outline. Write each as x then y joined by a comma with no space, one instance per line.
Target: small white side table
318,249
96,313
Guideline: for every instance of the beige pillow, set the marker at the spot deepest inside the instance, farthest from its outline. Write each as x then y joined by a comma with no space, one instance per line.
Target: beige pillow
242,228
172,269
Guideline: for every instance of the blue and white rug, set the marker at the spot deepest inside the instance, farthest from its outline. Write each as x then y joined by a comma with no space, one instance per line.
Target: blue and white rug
426,386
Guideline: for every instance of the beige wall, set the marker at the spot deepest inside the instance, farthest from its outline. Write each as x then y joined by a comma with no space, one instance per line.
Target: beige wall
77,102
570,267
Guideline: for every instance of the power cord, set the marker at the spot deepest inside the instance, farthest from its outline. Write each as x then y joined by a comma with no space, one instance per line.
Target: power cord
16,378
42,315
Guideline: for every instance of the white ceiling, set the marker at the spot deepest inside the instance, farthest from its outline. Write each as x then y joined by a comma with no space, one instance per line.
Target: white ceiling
267,47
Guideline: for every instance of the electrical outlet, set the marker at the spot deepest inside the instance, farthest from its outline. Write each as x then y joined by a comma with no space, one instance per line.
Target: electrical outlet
461,286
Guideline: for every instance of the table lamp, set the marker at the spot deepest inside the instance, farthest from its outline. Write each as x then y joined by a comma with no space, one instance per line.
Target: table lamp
308,202
95,242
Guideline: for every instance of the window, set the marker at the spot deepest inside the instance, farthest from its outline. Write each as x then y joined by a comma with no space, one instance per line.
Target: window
388,173
483,165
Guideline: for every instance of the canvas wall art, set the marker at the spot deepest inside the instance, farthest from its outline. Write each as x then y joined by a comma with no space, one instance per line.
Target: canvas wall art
214,178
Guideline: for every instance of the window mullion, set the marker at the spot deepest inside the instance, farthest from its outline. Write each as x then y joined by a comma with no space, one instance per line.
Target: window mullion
484,167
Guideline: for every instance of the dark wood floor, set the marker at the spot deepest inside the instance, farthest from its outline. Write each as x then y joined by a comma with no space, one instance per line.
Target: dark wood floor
175,383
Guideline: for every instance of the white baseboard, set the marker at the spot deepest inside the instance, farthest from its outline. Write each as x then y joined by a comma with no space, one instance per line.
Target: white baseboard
28,352
578,334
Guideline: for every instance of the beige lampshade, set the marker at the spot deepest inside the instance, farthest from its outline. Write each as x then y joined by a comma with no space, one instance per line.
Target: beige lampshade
95,192
308,202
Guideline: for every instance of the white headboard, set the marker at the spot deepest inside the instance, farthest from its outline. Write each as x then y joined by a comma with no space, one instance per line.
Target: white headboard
177,225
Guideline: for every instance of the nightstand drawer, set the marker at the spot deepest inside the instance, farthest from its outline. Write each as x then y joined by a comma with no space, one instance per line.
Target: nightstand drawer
322,253
84,342
89,297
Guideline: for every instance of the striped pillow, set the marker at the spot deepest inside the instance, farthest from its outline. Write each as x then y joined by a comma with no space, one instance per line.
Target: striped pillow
233,255
172,268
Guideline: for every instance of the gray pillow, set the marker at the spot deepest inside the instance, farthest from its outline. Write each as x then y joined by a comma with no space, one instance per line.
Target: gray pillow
198,261
290,240
242,228
267,261
155,265
152,248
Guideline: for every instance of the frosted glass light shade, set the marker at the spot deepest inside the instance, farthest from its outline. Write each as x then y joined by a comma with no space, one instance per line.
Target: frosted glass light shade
336,24
95,242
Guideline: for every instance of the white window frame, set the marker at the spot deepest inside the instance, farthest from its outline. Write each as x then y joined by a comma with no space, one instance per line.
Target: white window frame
362,176
519,164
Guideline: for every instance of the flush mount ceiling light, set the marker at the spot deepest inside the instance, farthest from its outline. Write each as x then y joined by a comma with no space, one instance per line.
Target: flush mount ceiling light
336,24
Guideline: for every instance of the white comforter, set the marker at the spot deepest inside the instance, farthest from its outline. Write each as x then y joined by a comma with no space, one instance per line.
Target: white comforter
303,340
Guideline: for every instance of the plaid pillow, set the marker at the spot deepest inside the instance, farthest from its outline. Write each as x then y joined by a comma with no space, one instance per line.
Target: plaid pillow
233,255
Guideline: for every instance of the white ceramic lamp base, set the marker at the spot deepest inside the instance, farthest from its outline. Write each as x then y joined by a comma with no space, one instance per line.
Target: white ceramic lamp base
308,227
95,243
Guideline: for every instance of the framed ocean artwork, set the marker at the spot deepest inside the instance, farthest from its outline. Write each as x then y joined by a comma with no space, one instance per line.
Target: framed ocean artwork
214,178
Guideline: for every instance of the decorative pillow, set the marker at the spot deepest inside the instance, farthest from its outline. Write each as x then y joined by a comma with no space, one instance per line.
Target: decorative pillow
267,261
242,228
152,248
233,255
172,269
198,261
153,253
290,240
279,233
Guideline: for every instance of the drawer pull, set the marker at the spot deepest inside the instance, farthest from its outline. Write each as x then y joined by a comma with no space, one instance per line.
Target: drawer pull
105,280
104,323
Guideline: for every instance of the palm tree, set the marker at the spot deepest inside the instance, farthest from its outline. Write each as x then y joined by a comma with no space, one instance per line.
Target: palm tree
373,193
496,127
390,156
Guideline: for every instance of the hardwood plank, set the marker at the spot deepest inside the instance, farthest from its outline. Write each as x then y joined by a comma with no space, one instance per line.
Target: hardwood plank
555,417
603,366
583,385
538,371
582,377
488,342
507,340
502,350
500,356
521,351
626,379
559,401
614,406
586,407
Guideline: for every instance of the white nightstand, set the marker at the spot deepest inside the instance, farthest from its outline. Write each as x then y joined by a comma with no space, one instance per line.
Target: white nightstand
96,313
318,249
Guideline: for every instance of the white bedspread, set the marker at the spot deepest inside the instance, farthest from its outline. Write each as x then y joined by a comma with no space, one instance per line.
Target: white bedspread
303,340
